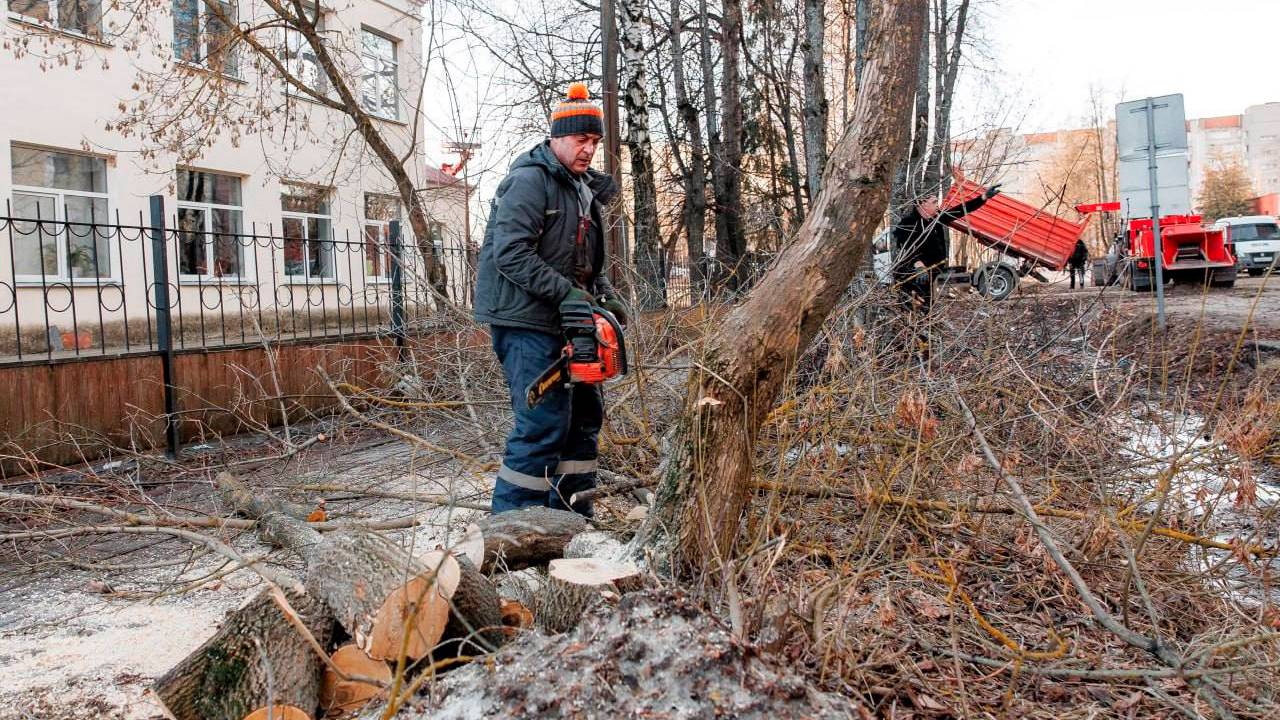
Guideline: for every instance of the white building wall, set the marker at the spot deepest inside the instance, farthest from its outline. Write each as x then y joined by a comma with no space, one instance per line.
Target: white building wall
73,106
1262,146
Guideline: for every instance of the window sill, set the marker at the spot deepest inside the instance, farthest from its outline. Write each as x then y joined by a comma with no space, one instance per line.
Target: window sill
192,281
34,24
309,282
51,281
389,121
197,67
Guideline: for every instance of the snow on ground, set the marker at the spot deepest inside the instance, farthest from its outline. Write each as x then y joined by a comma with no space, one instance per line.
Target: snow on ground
70,651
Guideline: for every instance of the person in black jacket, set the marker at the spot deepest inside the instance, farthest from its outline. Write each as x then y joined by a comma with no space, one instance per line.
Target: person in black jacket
1076,263
543,257
920,236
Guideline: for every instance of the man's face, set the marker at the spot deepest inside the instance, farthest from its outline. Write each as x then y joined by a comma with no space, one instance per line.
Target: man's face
575,151
928,208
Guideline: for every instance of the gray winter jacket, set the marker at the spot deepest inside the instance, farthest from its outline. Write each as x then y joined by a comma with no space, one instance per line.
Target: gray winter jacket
527,260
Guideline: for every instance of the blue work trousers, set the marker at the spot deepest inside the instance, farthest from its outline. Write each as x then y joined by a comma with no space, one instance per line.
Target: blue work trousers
551,451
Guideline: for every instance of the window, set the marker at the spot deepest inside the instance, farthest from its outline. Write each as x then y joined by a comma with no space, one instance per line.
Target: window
437,237
300,59
209,226
202,34
64,198
308,242
379,93
78,16
379,211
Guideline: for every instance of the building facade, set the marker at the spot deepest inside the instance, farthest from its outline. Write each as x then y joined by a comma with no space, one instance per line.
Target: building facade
269,196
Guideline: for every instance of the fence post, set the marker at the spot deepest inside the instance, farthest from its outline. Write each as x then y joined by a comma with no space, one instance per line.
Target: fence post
397,288
164,336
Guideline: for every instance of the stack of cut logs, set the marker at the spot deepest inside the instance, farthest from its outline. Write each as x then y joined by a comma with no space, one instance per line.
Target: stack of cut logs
278,657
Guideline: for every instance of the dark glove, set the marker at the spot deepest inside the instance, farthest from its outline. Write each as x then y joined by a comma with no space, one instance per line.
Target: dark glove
615,306
992,191
575,301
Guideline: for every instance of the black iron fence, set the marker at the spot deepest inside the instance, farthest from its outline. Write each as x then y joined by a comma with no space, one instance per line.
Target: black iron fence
71,289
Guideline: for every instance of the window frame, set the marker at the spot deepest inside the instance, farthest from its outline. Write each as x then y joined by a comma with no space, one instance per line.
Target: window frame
367,74
62,239
306,278
248,271
293,64
53,22
383,229
202,39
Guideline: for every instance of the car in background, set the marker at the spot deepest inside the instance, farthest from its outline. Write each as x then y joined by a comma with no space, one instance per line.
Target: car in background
1254,240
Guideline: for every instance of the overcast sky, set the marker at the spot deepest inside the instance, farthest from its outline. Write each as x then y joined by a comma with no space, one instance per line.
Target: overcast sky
1222,55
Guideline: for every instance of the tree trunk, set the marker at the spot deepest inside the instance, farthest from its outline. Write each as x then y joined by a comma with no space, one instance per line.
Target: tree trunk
724,260
652,293
373,587
256,657
694,214
815,94
947,59
527,537
729,195
906,180
703,494
862,28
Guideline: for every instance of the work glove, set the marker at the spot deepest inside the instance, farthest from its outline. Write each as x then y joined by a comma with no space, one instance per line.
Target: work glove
575,299
992,191
615,306
575,309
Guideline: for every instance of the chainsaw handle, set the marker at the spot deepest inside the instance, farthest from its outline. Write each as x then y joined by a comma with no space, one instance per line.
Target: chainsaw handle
617,331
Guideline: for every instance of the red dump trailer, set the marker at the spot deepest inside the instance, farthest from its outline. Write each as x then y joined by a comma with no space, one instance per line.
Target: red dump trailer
1027,238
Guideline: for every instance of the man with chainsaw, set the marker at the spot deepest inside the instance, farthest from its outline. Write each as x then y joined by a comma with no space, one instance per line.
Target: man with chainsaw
920,235
541,280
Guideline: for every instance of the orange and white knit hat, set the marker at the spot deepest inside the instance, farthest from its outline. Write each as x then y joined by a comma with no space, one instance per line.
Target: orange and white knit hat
576,114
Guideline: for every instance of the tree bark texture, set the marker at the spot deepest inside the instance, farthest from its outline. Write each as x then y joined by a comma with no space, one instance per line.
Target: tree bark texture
695,179
353,573
652,292
815,94
527,537
702,496
256,657
731,242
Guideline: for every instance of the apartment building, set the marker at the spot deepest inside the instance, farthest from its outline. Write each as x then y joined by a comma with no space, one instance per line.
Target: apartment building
273,197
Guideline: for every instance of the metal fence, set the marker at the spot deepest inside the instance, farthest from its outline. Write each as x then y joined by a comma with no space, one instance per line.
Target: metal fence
73,289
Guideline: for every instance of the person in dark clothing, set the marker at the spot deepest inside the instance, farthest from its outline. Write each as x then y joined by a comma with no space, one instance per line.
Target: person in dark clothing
1076,263
543,256
920,236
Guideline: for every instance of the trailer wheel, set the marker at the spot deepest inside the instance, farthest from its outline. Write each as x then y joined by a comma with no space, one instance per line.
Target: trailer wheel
997,282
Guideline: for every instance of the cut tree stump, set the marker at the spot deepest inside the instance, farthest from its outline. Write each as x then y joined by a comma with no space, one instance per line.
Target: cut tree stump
525,537
256,655
573,585
338,696
278,712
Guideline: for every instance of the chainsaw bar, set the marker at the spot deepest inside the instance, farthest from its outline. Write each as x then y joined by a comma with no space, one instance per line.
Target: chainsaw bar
556,374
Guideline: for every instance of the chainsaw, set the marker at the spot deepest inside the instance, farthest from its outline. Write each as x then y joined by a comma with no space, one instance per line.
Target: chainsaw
594,351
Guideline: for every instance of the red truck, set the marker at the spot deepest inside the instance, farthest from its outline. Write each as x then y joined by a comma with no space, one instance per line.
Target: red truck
1026,237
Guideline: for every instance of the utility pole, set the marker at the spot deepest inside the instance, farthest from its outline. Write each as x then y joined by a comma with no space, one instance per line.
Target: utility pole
612,141
465,150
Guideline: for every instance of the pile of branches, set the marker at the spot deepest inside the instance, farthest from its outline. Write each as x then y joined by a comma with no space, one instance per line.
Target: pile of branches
998,510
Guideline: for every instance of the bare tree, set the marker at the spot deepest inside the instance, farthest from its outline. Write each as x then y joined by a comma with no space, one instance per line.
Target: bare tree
702,496
635,100
815,94
693,177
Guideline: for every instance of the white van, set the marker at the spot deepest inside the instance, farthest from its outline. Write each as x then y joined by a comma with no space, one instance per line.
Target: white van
1253,239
